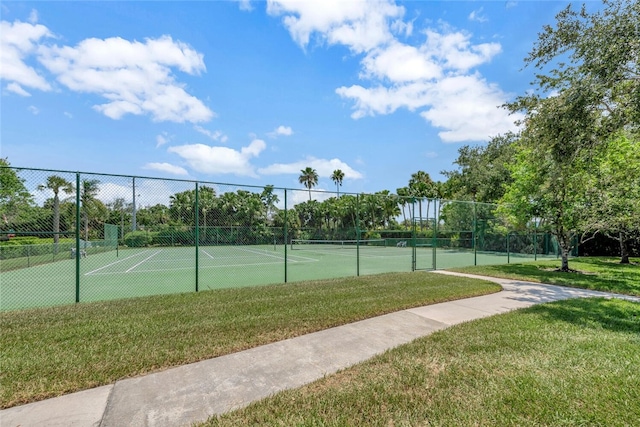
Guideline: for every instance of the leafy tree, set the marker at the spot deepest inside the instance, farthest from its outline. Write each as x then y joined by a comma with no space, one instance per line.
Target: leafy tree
614,188
15,199
309,214
389,204
551,170
56,184
117,209
483,171
270,200
206,204
421,187
595,55
337,176
309,178
181,207
90,205
594,76
404,200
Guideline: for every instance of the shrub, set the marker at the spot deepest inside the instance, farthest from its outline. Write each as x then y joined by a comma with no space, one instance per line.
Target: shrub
137,239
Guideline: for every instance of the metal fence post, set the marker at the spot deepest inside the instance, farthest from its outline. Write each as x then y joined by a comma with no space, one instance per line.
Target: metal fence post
77,236
197,236
475,234
286,235
435,231
357,235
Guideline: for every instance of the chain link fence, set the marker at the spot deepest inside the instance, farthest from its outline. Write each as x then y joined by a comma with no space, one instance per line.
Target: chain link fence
68,237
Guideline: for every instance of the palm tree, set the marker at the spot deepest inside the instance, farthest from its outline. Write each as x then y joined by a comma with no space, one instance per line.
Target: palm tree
56,183
206,204
403,199
308,177
270,200
88,192
337,176
181,206
421,186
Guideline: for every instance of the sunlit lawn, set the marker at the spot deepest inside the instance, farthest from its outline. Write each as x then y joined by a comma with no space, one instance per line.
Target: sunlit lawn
568,363
602,274
53,351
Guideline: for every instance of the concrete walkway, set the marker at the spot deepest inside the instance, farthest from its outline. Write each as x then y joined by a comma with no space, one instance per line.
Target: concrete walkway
192,393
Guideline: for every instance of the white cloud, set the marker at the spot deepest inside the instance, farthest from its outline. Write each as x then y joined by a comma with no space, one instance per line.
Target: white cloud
68,115
33,16
220,160
359,25
469,109
296,197
431,77
478,16
166,167
216,135
19,41
456,52
149,192
162,139
385,100
324,168
465,106
33,109
245,5
17,89
281,131
399,62
134,77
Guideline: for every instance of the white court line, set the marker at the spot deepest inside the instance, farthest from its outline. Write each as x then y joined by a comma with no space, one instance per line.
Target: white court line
147,258
279,257
205,267
262,253
304,258
207,254
114,263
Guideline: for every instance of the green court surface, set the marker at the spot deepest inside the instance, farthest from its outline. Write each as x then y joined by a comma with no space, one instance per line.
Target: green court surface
127,273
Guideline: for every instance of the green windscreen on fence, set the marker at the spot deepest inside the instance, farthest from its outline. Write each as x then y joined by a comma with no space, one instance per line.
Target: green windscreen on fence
110,235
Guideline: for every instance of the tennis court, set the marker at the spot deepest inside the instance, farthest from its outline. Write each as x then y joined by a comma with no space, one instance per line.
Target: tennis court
133,272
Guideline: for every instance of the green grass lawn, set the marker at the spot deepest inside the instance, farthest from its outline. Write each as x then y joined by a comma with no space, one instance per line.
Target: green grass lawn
568,363
53,351
602,274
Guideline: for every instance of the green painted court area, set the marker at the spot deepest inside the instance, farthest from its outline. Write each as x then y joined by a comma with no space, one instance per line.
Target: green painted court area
133,272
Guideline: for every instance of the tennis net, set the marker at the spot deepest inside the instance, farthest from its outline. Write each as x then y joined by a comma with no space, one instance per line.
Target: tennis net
298,244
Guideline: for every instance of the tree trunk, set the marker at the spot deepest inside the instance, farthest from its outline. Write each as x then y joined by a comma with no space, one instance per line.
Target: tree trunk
86,229
56,223
624,252
565,260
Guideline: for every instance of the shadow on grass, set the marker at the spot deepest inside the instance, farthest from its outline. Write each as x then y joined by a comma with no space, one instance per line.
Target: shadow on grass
602,274
611,314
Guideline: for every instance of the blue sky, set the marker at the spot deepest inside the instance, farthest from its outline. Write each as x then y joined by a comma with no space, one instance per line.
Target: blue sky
251,92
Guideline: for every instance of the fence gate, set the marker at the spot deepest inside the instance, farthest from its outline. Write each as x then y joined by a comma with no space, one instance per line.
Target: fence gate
423,244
